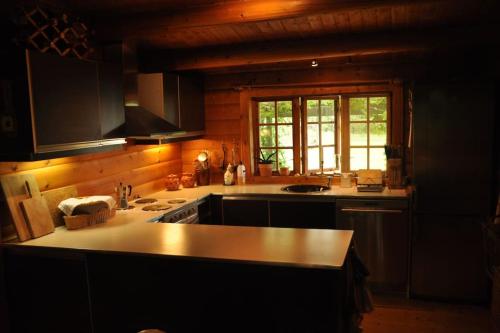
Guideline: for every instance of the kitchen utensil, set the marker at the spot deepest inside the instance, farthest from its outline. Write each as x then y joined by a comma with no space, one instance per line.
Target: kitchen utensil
54,197
14,189
37,214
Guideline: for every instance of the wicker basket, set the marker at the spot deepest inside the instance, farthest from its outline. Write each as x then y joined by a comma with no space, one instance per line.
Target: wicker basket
82,221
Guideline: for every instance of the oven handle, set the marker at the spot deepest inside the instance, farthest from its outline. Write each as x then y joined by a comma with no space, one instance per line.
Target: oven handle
371,210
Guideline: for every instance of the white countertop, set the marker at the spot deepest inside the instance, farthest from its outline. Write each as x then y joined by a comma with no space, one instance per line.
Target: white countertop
128,232
274,189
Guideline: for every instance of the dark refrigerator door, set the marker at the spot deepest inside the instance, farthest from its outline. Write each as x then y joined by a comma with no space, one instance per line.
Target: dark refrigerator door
447,259
453,134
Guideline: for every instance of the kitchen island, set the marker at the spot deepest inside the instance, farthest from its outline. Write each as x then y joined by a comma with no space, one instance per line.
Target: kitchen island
126,275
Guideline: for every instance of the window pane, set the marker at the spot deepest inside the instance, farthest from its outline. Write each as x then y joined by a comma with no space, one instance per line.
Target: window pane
357,108
266,112
267,136
329,158
266,153
285,158
358,158
285,136
378,108
285,112
312,111
312,134
377,158
359,135
327,110
313,158
327,134
378,134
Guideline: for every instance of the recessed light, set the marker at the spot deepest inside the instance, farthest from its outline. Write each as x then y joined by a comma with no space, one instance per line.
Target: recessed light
314,63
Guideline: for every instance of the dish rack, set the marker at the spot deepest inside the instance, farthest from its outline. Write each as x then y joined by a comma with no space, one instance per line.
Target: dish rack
84,220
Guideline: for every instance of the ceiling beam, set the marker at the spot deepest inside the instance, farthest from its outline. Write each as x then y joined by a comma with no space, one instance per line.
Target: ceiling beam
233,12
321,48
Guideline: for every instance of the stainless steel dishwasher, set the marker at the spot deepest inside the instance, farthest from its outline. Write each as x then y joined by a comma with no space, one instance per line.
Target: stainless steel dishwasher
381,237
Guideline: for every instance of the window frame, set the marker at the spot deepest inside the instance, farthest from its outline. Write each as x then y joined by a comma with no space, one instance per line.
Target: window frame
304,122
295,130
345,127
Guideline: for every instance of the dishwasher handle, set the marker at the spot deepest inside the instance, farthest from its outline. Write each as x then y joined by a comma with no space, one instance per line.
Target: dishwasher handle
371,210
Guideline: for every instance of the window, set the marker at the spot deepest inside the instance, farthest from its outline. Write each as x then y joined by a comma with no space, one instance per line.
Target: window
320,134
365,132
307,133
275,131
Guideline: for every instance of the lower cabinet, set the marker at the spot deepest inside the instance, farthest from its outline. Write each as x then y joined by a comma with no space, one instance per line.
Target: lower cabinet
243,211
302,214
47,291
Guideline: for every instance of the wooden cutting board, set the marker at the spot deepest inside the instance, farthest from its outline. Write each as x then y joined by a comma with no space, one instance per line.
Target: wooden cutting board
37,215
14,190
54,197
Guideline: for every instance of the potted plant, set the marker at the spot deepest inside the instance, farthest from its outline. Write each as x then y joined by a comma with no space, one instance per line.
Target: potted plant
284,169
266,164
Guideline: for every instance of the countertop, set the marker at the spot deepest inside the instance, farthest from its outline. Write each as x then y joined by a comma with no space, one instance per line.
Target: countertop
275,189
128,232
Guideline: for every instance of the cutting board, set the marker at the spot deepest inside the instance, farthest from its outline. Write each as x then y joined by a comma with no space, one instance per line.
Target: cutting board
37,215
54,197
14,190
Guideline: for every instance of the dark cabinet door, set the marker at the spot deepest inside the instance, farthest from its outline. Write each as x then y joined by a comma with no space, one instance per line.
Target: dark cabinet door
65,99
47,292
192,104
111,99
216,209
447,259
302,214
245,211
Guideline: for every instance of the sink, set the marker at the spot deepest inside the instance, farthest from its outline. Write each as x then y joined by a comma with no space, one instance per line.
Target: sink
305,188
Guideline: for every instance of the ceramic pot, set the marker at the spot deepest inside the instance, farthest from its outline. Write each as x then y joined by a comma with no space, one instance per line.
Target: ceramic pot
266,170
284,171
172,182
187,180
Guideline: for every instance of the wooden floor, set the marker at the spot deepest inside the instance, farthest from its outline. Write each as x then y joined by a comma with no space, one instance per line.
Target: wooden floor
392,315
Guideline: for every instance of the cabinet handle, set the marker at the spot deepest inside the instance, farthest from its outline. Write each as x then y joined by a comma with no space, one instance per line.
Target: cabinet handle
371,210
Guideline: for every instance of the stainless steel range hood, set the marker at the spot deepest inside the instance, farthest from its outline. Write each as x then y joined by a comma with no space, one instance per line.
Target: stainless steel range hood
151,115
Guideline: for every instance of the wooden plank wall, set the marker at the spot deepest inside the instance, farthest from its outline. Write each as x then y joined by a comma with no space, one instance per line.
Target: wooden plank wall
143,167
222,125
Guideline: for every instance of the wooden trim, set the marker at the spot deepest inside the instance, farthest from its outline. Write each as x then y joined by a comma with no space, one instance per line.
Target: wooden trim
246,134
345,133
296,134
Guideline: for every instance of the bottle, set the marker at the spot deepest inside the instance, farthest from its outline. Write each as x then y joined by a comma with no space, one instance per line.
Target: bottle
241,173
228,176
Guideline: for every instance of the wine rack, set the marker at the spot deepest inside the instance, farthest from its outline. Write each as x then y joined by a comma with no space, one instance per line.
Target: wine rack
57,32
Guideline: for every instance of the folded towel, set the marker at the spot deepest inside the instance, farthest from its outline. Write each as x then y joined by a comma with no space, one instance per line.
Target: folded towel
71,205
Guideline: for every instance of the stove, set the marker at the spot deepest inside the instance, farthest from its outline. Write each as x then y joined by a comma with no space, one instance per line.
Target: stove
176,210
156,207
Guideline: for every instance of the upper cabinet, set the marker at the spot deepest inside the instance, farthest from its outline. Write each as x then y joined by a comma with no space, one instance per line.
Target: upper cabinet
177,98
57,106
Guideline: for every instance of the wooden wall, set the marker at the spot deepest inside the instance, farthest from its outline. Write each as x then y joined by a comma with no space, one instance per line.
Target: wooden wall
222,122
143,167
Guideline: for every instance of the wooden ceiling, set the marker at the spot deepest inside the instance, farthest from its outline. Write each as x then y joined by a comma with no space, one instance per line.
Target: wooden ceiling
208,34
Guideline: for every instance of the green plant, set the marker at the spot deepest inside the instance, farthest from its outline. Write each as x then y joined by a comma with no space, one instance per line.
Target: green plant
266,159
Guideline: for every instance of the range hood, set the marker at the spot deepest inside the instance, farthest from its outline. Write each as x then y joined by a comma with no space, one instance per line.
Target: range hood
153,112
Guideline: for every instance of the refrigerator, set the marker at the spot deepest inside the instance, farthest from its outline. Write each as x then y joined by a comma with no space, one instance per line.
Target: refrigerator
453,174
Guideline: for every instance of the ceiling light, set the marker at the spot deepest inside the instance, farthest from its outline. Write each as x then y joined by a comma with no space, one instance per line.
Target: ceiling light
314,63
